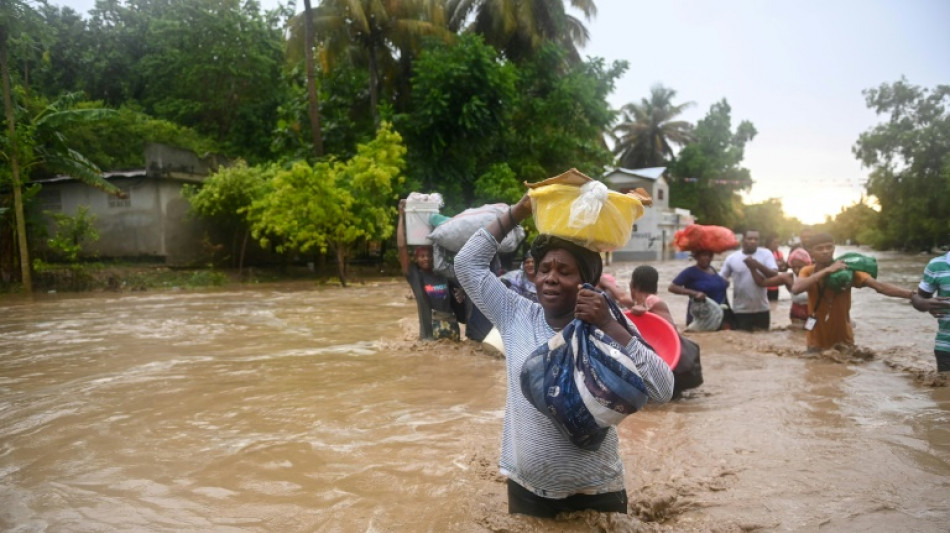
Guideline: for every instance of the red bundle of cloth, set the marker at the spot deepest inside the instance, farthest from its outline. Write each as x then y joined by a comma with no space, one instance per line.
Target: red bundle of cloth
696,237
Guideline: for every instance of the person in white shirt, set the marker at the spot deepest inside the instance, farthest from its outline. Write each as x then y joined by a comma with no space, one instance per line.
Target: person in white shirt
750,302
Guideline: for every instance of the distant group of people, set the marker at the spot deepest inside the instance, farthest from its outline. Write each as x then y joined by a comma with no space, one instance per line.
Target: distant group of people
547,474
822,310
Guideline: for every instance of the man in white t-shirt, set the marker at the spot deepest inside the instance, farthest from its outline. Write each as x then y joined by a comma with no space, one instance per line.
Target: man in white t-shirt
750,302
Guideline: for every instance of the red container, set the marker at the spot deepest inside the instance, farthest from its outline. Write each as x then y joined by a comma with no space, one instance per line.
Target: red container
661,335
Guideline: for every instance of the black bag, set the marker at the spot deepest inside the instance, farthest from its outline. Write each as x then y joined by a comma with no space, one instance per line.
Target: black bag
688,373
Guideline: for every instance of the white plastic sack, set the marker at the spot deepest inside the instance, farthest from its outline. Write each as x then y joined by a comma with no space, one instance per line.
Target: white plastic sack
586,208
707,315
454,233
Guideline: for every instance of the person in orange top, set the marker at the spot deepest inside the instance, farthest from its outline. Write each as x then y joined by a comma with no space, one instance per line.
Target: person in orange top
829,311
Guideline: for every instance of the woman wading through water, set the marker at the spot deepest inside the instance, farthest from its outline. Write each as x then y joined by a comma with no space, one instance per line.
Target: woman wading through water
547,474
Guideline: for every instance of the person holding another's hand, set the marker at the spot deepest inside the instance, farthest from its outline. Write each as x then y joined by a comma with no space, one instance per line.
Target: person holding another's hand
933,296
829,310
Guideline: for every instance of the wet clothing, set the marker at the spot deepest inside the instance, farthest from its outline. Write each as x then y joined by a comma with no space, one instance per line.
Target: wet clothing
477,325
943,360
437,309
752,321
832,312
799,308
747,297
773,291
695,279
534,453
523,501
936,281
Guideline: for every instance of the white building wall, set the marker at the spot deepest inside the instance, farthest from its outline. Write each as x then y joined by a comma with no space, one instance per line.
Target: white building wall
652,237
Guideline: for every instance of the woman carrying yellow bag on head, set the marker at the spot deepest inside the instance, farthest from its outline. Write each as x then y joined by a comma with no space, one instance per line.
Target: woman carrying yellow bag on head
575,207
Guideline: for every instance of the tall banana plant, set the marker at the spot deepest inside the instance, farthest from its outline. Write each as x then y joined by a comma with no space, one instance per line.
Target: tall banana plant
35,139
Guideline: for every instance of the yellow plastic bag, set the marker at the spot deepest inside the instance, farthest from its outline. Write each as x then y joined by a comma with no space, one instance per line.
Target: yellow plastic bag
585,213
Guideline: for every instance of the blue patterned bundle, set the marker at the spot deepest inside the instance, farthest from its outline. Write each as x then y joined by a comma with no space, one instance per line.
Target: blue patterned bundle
584,381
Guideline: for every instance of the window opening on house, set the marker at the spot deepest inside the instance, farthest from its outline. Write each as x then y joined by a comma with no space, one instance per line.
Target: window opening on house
659,194
115,201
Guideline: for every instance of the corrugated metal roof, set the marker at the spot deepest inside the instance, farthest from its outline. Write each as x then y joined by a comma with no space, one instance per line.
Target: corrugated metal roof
137,173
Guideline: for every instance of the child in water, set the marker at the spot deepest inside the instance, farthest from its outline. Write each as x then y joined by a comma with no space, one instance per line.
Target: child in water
643,288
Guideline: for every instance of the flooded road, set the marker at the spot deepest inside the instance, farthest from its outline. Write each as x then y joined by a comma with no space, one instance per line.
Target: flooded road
303,408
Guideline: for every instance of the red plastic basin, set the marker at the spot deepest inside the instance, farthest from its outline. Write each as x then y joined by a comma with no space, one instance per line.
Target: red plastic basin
661,335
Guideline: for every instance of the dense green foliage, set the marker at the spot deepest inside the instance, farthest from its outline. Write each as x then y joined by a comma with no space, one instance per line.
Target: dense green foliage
909,158
225,197
331,205
72,233
484,95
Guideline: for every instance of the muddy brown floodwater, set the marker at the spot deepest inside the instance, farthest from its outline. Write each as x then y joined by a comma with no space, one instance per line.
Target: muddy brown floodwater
304,408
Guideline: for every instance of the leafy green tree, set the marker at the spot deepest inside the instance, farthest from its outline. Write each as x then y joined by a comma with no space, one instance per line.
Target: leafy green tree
345,119
460,103
224,198
857,223
769,218
560,115
333,204
214,65
53,59
909,158
647,131
707,177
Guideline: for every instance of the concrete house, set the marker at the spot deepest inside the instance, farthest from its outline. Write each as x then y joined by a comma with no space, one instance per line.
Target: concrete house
152,222
652,235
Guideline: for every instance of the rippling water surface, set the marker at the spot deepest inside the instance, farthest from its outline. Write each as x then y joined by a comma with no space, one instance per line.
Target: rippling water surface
304,408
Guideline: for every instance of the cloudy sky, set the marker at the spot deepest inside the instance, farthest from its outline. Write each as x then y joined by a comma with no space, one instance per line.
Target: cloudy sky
794,69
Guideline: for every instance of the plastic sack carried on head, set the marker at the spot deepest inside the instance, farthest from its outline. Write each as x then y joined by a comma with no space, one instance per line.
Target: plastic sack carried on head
843,279
696,237
455,232
594,218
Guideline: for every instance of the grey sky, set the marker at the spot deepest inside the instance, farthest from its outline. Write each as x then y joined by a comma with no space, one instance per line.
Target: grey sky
794,69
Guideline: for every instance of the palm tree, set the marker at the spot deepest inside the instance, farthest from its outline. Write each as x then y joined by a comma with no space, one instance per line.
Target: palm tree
377,33
647,132
313,103
518,27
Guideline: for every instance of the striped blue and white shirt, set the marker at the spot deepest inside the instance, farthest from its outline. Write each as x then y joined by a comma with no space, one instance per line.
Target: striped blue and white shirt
534,453
936,281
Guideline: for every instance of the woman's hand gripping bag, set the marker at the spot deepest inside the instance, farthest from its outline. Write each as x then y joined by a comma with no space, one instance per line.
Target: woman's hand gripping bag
577,208
584,381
